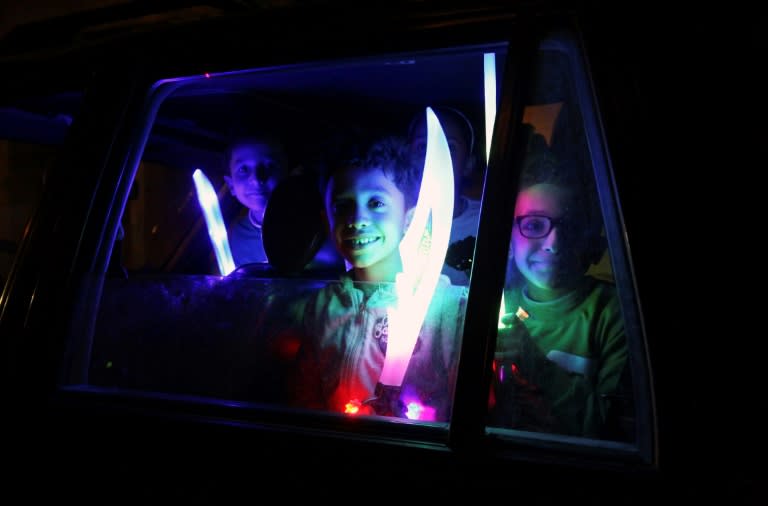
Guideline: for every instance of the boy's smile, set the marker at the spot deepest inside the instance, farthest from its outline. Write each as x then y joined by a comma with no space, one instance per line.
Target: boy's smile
360,242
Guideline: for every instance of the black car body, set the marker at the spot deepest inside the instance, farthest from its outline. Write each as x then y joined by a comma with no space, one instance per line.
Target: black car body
114,393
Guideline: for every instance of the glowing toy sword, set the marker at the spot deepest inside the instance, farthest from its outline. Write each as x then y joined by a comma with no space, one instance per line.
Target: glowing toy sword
209,203
422,250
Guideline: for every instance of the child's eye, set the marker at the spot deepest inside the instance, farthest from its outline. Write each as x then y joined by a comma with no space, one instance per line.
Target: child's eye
376,204
534,225
241,170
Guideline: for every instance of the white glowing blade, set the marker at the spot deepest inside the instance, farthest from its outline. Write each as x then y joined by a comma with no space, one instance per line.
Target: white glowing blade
209,203
422,250
489,72
502,311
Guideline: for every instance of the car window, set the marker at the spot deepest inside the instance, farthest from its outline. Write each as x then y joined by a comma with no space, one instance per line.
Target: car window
253,260
567,357
283,321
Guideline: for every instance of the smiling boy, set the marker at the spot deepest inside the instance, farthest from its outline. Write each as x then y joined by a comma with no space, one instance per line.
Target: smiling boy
255,165
369,204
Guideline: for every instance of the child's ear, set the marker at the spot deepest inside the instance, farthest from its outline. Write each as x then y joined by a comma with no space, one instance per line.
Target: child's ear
409,218
231,186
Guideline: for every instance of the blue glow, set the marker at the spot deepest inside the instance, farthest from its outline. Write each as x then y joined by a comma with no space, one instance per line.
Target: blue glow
217,231
422,252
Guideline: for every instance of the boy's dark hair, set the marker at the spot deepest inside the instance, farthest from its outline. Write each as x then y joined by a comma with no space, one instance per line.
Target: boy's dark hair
392,156
542,166
242,139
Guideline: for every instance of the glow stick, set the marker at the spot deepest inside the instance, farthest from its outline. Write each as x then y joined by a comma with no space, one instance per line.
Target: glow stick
489,72
209,203
423,252
502,311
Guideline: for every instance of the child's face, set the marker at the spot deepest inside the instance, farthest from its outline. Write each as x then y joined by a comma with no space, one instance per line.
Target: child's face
367,218
254,171
552,264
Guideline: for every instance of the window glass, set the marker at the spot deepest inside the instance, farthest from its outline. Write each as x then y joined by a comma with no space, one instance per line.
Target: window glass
562,362
31,131
332,290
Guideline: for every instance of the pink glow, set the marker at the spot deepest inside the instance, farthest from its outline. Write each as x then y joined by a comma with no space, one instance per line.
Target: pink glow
417,411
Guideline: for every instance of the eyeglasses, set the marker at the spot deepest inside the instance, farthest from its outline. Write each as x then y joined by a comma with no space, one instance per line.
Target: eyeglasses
536,227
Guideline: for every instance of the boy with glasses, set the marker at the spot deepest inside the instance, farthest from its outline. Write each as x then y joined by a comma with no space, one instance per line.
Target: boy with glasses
562,354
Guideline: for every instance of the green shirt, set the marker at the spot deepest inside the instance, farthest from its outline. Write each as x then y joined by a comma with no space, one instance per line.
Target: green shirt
580,353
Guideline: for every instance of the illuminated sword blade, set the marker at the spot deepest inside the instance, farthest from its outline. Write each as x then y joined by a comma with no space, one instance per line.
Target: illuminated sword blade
422,251
217,231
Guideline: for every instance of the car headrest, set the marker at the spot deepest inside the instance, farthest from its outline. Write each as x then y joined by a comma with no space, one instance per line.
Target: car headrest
294,228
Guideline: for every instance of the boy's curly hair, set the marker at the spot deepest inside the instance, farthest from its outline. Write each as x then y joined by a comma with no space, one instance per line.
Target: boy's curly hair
392,156
542,166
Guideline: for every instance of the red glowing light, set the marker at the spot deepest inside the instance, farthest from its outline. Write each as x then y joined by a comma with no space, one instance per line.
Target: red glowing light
352,407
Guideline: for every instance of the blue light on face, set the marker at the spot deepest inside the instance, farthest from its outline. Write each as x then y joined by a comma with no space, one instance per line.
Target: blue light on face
217,231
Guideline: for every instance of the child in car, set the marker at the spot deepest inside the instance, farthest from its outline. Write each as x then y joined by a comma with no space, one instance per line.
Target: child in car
561,357
255,165
370,204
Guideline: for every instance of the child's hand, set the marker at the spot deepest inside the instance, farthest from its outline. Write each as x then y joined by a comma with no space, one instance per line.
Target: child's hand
516,397
513,340
514,345
509,319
